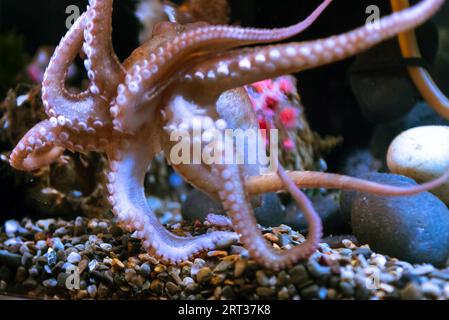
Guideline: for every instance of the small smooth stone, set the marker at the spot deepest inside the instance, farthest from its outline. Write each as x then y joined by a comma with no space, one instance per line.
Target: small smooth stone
262,279
11,226
412,291
310,292
412,228
198,264
204,275
347,289
228,293
157,287
106,246
45,223
446,291
10,259
192,288
187,281
422,154
172,288
21,274
265,293
74,258
223,266
92,291
240,268
50,283
145,269
431,290
299,275
57,244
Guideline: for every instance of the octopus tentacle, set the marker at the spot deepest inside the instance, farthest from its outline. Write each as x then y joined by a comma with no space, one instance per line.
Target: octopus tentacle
102,64
128,165
241,67
161,62
80,111
237,205
315,180
37,148
421,77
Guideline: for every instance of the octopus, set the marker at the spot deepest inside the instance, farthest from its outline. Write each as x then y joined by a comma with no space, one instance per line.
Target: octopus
185,75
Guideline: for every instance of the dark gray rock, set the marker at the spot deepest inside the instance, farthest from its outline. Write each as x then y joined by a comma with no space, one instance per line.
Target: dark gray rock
270,213
382,89
414,228
358,162
9,259
328,209
198,206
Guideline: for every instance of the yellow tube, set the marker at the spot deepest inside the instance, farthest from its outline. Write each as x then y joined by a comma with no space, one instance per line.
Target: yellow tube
421,77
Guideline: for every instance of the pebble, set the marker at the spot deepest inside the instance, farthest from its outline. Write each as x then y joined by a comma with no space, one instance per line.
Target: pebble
106,246
414,228
204,275
446,291
299,275
21,274
172,288
423,154
117,263
145,269
412,291
92,265
318,271
187,281
92,291
198,264
51,257
262,278
265,293
310,292
57,244
431,290
157,287
10,259
240,268
11,226
332,274
74,258
228,293
46,223
223,266
50,283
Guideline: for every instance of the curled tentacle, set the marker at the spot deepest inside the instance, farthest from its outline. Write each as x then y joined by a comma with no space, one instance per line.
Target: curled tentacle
81,111
236,203
37,148
171,51
315,180
241,67
128,165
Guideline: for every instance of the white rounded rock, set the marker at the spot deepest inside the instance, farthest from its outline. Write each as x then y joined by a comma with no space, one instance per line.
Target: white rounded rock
422,154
